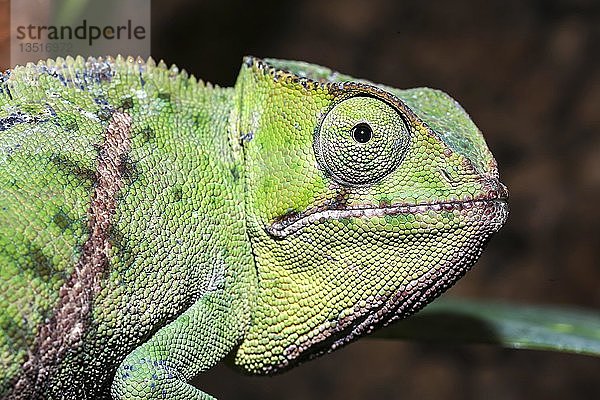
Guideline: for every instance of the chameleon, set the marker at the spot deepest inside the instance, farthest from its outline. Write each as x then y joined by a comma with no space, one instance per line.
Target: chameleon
152,224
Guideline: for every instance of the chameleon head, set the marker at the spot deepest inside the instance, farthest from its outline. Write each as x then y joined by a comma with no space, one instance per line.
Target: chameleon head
364,203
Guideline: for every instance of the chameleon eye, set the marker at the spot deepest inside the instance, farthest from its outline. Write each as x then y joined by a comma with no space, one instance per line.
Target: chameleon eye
362,133
360,141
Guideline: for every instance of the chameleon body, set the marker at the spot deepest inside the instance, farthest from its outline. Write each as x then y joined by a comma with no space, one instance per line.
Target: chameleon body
152,225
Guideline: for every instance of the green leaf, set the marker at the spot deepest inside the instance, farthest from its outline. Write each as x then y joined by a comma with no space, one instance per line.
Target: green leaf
504,324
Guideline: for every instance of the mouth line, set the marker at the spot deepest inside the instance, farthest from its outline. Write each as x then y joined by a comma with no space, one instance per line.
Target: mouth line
292,223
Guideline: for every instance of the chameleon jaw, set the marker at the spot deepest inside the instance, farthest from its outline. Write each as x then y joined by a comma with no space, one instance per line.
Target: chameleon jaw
293,223
405,300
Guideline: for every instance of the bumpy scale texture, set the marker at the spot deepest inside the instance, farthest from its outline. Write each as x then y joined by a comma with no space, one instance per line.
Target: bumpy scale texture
151,225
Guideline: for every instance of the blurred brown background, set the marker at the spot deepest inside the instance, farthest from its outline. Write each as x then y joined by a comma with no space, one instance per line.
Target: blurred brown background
528,72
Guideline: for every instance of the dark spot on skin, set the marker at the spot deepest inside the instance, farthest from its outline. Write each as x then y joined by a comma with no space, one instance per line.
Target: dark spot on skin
177,193
122,247
62,220
19,330
106,109
164,96
235,173
72,167
72,126
128,169
97,147
198,119
104,114
117,238
127,103
38,262
148,134
68,123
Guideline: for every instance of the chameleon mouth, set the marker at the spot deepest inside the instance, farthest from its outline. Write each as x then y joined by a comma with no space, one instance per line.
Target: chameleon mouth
294,222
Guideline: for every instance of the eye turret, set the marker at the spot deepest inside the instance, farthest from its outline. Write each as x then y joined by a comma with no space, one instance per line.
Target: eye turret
361,140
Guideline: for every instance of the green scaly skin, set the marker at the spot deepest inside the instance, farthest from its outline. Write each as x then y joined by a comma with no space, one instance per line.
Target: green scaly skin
151,225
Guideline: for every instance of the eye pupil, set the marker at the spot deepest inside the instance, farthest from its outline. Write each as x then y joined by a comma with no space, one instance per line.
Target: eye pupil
362,132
